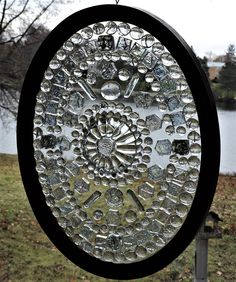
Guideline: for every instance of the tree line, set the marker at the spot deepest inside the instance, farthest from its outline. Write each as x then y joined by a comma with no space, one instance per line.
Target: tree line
226,88
224,85
21,33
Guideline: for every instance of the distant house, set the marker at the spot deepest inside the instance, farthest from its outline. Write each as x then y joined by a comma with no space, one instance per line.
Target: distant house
220,58
214,69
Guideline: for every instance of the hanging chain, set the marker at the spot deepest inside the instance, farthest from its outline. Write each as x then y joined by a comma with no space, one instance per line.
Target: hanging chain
117,2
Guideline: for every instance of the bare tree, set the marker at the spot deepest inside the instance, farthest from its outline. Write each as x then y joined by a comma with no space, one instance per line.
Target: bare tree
20,34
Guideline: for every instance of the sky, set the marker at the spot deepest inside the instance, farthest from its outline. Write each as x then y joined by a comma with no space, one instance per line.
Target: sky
207,25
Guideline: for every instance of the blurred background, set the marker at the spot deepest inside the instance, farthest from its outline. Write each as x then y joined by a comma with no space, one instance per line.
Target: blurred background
208,26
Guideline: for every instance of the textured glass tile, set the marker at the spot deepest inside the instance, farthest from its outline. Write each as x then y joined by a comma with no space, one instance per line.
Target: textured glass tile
59,79
177,118
146,190
174,189
155,172
66,208
78,55
153,122
113,218
48,141
114,242
163,147
81,186
73,169
159,71
76,101
108,69
154,227
124,43
137,50
143,237
50,164
180,175
173,103
87,247
51,107
68,66
150,60
70,119
106,42
168,205
58,193
101,240
181,147
130,242
162,216
63,143
167,85
86,233
143,100
54,179
50,120
91,46
75,221
55,94
150,213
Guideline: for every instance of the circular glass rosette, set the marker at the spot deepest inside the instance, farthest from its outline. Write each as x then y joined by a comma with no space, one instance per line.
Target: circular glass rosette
116,139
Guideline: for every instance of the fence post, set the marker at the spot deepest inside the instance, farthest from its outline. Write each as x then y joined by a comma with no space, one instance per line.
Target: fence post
205,233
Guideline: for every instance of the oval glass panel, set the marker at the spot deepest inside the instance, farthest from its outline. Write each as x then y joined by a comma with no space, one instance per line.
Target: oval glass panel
116,151
118,147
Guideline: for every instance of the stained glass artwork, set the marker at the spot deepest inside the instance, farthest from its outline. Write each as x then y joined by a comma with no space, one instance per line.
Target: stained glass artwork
117,142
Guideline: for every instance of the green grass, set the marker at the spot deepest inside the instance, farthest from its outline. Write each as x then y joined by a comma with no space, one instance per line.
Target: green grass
26,254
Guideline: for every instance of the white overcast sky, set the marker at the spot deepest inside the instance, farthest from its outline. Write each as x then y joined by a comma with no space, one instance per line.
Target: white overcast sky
207,25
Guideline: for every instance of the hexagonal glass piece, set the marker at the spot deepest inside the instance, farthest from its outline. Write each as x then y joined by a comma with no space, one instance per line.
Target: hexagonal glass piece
153,122
155,172
163,147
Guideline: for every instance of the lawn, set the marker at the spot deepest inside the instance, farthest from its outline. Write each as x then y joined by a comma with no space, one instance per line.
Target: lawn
26,254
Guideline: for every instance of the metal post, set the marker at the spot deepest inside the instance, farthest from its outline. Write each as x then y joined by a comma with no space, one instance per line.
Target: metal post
201,242
201,258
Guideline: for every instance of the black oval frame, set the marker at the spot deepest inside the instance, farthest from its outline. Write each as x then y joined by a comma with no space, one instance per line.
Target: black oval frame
209,128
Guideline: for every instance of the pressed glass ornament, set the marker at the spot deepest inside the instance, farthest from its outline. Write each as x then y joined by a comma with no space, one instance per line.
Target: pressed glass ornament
118,152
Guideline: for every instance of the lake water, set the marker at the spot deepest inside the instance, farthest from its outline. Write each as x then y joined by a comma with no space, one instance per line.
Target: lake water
227,120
